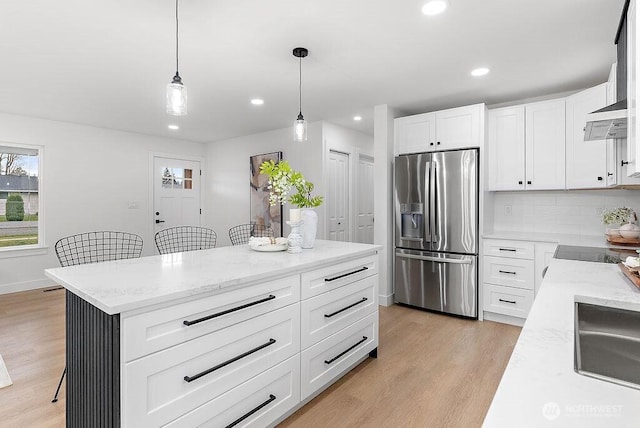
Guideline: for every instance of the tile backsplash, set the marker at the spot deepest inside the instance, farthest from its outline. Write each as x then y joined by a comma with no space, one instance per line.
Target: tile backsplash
574,212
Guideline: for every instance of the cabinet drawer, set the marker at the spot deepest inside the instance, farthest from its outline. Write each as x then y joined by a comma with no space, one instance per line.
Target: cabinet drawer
328,313
159,329
510,272
179,379
326,361
331,277
515,302
273,393
508,248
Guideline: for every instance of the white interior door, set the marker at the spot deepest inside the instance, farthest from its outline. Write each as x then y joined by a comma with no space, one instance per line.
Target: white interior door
176,193
364,209
338,196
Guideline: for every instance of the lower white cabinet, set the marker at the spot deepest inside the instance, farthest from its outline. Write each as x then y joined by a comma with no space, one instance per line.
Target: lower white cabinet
251,355
179,379
511,276
511,301
321,363
258,402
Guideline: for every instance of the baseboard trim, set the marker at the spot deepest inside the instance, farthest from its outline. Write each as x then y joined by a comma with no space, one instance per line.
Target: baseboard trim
26,286
385,300
504,319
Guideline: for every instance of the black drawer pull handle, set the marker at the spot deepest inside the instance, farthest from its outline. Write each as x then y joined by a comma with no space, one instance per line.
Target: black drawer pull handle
251,412
513,302
508,249
506,271
362,269
364,299
228,311
226,363
345,351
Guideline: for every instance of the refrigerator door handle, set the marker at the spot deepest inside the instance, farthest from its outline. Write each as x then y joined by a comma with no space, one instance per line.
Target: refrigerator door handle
427,216
435,259
433,204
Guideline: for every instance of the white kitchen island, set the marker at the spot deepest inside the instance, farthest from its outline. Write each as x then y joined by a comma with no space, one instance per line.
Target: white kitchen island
221,337
539,387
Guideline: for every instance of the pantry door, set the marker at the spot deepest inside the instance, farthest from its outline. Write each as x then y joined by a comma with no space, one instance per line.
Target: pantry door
176,193
364,200
338,197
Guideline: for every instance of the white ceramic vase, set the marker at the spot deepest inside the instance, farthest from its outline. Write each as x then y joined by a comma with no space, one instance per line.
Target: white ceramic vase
309,218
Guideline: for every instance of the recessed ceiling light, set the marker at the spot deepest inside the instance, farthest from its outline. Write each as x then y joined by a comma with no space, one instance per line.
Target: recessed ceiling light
435,7
173,127
357,118
257,101
480,71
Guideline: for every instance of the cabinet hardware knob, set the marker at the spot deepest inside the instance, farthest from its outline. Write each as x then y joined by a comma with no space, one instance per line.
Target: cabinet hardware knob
600,178
431,144
528,181
520,182
438,143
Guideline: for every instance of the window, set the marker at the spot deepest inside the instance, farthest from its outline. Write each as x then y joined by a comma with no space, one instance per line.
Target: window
19,196
177,178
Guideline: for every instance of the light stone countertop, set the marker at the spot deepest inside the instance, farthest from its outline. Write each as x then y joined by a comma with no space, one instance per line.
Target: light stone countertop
125,285
539,387
559,238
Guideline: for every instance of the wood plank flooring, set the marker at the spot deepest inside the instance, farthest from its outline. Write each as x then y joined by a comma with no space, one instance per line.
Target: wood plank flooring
432,370
32,341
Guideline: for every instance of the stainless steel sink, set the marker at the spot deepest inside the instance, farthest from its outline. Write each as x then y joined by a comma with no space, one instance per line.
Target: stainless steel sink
607,344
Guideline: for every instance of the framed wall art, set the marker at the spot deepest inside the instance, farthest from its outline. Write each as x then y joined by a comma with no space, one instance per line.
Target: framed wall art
260,211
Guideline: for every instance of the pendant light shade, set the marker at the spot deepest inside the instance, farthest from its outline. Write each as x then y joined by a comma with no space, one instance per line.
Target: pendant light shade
300,125
176,91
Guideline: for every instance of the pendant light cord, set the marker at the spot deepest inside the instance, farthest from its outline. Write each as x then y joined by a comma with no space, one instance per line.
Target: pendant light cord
300,86
177,38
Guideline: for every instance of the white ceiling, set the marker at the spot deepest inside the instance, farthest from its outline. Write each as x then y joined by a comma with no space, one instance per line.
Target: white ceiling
107,62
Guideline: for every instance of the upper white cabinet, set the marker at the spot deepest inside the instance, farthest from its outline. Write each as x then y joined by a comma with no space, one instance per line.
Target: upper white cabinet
506,148
442,130
587,164
527,147
416,133
633,142
545,145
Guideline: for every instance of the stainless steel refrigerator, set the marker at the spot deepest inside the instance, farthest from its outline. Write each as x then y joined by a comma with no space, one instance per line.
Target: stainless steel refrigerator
436,231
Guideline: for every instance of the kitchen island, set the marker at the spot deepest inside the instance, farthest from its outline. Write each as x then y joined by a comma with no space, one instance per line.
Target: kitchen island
539,387
221,337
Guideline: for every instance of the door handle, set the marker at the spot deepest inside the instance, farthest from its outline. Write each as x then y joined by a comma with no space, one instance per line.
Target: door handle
435,259
159,221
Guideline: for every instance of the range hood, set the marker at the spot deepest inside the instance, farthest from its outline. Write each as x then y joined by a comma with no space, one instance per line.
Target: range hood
607,123
611,122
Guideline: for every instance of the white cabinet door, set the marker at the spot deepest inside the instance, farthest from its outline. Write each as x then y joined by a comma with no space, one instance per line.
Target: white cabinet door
415,134
506,148
545,145
633,142
586,160
459,127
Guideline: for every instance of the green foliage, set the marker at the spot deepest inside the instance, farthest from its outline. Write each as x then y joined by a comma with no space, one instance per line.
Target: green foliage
618,215
282,178
14,208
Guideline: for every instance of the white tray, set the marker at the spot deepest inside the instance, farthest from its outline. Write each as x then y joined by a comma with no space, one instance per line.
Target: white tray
270,248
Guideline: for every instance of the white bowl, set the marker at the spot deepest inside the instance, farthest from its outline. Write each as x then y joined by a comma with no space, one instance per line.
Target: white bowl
630,231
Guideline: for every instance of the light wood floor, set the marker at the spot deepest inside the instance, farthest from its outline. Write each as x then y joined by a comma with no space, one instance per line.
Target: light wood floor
432,370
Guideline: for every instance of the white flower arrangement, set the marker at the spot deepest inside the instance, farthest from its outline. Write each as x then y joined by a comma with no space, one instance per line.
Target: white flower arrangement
282,179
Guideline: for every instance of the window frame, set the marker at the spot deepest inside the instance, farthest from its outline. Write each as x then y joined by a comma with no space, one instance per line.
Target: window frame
40,247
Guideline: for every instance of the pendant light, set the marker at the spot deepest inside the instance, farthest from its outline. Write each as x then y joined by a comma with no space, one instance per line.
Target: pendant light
176,91
300,125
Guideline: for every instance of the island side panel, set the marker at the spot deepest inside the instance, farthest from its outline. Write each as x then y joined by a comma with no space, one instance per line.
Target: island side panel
93,365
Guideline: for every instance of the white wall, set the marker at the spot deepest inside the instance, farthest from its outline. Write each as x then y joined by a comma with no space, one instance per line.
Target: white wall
227,183
572,212
383,204
89,177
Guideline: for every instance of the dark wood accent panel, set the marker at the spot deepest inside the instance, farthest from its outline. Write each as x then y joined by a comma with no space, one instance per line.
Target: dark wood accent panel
93,365
621,46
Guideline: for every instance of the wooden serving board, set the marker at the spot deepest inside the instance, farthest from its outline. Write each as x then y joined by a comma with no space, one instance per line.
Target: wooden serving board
623,241
632,274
